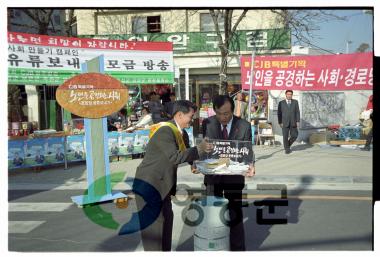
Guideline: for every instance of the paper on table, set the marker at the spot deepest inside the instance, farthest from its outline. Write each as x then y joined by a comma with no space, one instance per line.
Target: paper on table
220,167
210,161
235,168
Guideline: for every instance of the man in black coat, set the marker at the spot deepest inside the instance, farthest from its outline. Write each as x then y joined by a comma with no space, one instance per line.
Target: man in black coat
224,125
288,114
156,108
156,176
169,106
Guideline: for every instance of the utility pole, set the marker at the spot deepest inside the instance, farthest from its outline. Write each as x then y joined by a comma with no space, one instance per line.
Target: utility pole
253,36
251,83
347,46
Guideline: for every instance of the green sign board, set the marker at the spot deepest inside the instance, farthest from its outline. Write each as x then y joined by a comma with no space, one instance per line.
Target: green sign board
35,77
41,59
57,77
192,42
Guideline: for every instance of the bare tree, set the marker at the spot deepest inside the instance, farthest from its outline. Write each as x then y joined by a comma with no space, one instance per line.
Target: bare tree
41,17
69,21
303,23
224,43
41,23
14,105
363,48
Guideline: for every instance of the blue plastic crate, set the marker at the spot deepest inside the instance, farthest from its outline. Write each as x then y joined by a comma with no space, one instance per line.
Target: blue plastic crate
352,132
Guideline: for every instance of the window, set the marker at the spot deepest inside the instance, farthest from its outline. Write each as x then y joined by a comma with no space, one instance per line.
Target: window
17,13
57,19
74,30
73,26
149,24
139,25
207,24
11,13
154,24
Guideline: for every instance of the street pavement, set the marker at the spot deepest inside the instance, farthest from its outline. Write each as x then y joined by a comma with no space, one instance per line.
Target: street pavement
312,167
328,194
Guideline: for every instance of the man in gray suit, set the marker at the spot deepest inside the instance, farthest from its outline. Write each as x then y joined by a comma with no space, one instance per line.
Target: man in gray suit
240,106
288,114
156,176
224,125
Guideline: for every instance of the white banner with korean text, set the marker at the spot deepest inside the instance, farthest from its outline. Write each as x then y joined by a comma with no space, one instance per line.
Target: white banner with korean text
40,59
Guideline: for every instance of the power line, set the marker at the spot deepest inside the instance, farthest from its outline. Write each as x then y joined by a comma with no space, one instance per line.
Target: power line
320,48
355,14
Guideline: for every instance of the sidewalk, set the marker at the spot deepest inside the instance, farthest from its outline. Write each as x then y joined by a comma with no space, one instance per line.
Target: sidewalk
316,220
308,167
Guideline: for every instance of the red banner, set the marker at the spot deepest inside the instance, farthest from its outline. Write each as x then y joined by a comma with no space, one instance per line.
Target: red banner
89,43
320,72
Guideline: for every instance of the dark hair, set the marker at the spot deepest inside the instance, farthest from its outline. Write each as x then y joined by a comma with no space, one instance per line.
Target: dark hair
123,111
220,100
172,94
152,93
146,109
291,91
183,106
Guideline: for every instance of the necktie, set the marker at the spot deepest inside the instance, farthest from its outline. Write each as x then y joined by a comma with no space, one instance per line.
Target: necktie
225,132
289,102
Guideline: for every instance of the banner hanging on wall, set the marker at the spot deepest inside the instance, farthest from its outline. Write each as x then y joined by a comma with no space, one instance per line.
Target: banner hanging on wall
47,151
40,59
320,72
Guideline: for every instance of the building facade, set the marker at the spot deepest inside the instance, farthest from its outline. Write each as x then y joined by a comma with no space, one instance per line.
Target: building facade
197,56
35,103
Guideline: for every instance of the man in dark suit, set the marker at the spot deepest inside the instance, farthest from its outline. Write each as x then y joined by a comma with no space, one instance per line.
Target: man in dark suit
156,176
169,106
288,113
156,108
224,125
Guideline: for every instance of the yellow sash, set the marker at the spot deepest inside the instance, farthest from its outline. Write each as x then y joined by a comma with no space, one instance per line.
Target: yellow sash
154,128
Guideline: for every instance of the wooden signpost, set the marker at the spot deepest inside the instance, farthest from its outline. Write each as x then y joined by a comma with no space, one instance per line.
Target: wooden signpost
94,95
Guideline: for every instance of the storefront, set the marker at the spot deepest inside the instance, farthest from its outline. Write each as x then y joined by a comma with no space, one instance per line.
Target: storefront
41,63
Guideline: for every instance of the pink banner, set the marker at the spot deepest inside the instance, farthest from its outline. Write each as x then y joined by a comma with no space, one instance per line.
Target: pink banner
320,72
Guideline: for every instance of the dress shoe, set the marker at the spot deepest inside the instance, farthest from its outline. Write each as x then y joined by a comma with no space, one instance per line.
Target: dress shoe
366,148
287,151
